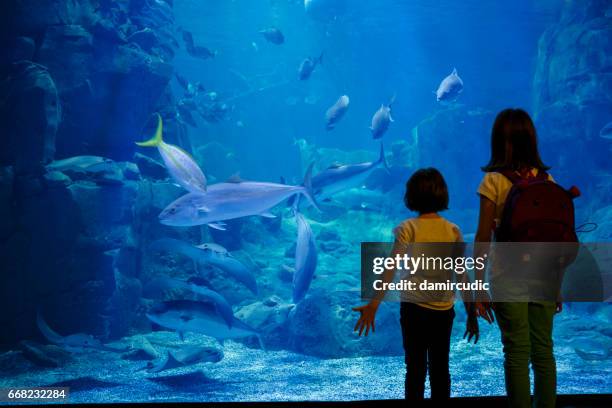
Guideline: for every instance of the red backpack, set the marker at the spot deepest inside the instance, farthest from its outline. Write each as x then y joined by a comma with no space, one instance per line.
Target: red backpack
537,210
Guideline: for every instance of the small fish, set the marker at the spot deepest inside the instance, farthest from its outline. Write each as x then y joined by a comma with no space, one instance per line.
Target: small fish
229,200
606,131
273,35
194,50
80,164
449,88
381,120
305,258
210,254
192,316
181,166
160,285
308,66
336,112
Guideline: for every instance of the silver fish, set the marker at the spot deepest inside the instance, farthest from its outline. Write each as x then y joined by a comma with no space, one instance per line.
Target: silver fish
81,164
307,67
305,258
181,166
339,178
225,201
157,286
336,112
381,120
449,88
192,316
210,254
273,35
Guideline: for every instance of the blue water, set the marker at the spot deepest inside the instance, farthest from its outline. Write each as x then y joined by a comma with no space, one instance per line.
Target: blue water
81,255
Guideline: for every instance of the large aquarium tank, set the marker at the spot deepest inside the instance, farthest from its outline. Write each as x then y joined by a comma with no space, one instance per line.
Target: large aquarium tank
185,185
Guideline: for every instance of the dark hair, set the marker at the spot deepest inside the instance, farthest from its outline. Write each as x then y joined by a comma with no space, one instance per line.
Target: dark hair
426,191
514,143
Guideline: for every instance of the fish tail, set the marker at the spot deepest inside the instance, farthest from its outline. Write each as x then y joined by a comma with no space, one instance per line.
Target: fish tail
46,331
156,140
381,158
308,187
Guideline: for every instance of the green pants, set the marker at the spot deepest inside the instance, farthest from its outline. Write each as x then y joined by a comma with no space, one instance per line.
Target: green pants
526,330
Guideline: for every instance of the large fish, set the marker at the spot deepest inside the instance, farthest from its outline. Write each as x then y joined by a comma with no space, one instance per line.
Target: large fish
305,258
181,166
338,178
192,316
77,342
184,357
158,286
307,67
226,201
381,120
210,254
336,112
273,35
449,88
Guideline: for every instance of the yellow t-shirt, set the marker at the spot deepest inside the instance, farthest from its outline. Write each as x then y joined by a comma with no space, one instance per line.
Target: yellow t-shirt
495,186
421,230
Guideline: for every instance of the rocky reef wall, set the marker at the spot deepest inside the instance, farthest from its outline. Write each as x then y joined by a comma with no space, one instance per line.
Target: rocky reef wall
572,91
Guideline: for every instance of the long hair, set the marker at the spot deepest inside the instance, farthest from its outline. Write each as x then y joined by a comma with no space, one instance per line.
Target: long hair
514,143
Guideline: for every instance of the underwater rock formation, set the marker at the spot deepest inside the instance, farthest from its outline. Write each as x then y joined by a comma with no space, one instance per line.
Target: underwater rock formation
29,116
573,88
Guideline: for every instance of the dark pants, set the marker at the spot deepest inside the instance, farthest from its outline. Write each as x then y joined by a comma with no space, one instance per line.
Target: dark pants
426,334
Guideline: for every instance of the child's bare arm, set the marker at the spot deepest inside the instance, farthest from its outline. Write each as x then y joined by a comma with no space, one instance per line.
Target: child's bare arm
368,311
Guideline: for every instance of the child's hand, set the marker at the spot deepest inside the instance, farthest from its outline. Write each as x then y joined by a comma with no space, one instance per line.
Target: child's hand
366,320
471,328
484,307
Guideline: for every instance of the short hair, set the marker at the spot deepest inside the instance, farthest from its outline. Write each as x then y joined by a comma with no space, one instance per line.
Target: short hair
426,191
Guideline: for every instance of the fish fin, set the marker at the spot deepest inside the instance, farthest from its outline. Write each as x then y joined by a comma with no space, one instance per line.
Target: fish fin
217,225
392,100
334,165
381,158
173,361
267,215
261,343
234,178
46,331
203,208
454,71
308,186
156,140
320,59
282,180
181,335
390,118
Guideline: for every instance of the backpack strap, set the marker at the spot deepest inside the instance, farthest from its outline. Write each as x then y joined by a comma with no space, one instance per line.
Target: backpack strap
514,177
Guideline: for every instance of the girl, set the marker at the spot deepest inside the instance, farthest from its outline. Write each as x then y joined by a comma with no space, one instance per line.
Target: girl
526,328
426,326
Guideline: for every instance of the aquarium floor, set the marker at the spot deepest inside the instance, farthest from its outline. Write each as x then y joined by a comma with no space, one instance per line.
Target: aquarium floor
247,374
